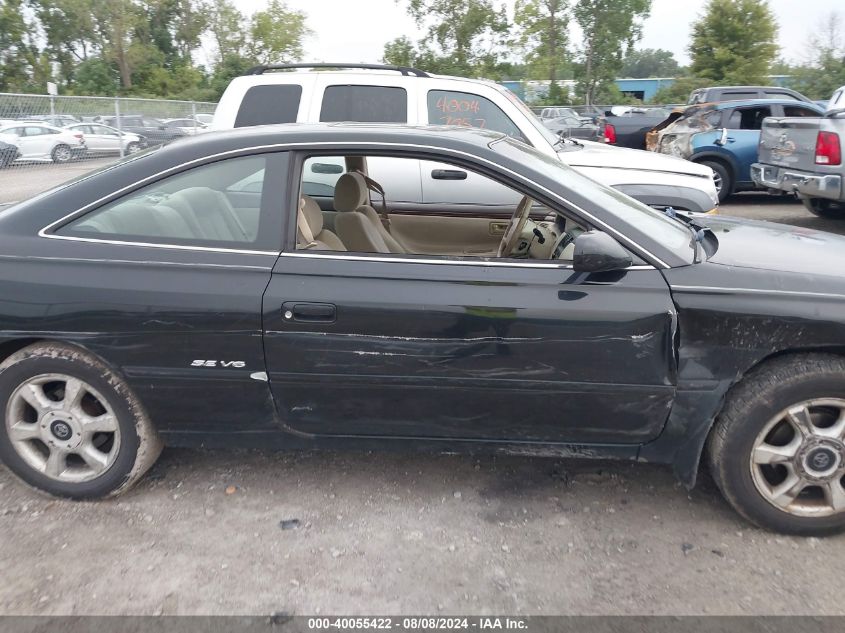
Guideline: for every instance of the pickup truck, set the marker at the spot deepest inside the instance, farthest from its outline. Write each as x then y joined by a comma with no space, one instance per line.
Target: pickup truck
804,156
629,129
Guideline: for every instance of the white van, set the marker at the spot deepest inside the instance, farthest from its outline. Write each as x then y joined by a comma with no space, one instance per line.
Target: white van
311,93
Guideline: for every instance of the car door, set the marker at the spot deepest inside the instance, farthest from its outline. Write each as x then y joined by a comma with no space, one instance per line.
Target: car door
107,140
443,185
24,144
42,139
744,125
467,348
95,141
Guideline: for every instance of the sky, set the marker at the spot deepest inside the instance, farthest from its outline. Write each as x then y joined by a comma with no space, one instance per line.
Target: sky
350,31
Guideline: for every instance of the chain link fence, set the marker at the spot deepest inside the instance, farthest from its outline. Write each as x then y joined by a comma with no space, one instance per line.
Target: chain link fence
48,131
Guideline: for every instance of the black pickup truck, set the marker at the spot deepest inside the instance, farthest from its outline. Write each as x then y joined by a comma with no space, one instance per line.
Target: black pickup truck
628,129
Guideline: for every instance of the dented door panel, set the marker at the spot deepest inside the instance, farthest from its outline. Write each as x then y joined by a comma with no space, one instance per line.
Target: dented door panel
475,352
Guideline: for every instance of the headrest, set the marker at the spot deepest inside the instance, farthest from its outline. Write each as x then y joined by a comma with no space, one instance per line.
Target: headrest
350,192
313,214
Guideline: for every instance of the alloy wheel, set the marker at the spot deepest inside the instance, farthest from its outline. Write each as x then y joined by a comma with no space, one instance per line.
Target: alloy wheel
798,459
62,427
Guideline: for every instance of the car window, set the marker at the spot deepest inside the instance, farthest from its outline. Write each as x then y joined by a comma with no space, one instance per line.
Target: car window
265,105
669,233
320,174
366,104
748,118
447,107
190,208
359,219
36,131
799,111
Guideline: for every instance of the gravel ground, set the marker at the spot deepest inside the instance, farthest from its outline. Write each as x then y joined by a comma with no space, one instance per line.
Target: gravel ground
22,181
400,534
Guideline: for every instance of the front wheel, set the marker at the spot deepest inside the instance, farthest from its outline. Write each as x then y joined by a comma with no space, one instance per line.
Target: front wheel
133,148
722,178
61,154
777,451
72,427
829,209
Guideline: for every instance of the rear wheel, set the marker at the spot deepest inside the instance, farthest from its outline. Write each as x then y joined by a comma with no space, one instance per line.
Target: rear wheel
72,427
825,208
777,451
61,154
722,178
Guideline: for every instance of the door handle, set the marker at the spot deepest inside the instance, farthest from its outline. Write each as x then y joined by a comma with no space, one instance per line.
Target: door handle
448,174
309,312
498,228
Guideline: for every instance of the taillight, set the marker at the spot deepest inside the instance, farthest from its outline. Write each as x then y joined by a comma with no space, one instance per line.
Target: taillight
828,150
79,136
609,133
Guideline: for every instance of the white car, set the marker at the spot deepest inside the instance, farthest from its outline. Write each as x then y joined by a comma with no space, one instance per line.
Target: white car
188,126
389,94
104,139
42,142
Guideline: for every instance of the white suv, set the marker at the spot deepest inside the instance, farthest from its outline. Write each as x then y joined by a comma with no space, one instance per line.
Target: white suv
295,93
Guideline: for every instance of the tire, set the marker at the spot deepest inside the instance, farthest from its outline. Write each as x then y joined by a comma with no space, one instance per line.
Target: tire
61,154
764,405
105,423
133,148
724,179
829,209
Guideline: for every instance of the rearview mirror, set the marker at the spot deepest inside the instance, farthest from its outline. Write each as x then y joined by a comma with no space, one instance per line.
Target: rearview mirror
597,252
326,168
723,137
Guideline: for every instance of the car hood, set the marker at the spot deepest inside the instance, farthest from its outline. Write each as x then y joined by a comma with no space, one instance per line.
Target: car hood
608,156
776,247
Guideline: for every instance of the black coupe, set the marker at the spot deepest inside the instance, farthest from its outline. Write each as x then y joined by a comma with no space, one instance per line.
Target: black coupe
195,295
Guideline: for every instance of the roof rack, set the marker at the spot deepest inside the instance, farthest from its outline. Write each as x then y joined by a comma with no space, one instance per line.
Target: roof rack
405,70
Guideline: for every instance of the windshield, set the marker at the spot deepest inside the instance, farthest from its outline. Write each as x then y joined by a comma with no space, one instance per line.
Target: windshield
545,132
672,234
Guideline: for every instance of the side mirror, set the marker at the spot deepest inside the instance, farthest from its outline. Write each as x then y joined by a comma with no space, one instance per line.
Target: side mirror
597,252
723,137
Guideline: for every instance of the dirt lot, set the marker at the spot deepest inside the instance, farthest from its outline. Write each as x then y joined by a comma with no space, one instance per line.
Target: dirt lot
24,180
398,534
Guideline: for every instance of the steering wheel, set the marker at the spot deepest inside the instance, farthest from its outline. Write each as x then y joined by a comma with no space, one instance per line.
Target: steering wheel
515,226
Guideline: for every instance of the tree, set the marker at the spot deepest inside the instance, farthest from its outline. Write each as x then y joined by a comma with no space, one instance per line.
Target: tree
226,25
679,91
95,76
543,37
609,27
400,52
464,36
824,71
276,34
15,54
734,42
70,33
650,62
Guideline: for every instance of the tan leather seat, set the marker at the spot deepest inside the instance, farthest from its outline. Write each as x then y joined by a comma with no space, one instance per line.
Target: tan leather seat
358,225
323,239
209,214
